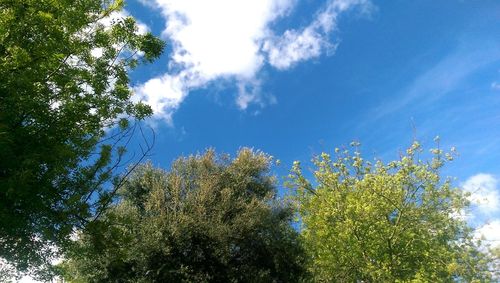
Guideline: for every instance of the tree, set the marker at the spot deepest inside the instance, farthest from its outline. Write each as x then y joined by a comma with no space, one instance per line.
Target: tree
63,81
385,222
208,219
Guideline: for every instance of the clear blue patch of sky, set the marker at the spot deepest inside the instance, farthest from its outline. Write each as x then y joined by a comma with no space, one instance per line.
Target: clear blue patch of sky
384,64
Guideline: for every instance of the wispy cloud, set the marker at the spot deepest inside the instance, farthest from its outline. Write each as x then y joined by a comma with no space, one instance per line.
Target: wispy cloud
233,40
311,41
495,85
446,76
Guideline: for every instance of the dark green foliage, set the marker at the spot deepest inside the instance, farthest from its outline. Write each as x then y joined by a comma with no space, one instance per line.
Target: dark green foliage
209,219
56,100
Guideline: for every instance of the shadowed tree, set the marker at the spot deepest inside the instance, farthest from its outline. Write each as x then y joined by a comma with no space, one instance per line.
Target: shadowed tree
209,219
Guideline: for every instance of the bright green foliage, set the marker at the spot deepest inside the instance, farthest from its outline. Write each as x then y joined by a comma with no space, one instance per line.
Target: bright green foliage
56,100
209,219
385,222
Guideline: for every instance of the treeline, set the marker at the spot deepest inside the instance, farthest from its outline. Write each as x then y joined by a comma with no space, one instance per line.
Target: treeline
210,218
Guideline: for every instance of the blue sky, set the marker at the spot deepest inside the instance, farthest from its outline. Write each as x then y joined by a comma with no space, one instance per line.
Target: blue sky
297,77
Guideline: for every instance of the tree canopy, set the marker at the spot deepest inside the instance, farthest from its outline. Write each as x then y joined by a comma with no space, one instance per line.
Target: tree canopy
63,81
386,222
209,218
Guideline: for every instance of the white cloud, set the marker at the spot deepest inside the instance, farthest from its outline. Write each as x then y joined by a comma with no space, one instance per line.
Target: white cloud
97,52
234,40
9,271
485,201
490,233
294,46
461,215
142,28
107,22
484,193
28,279
165,93
311,41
